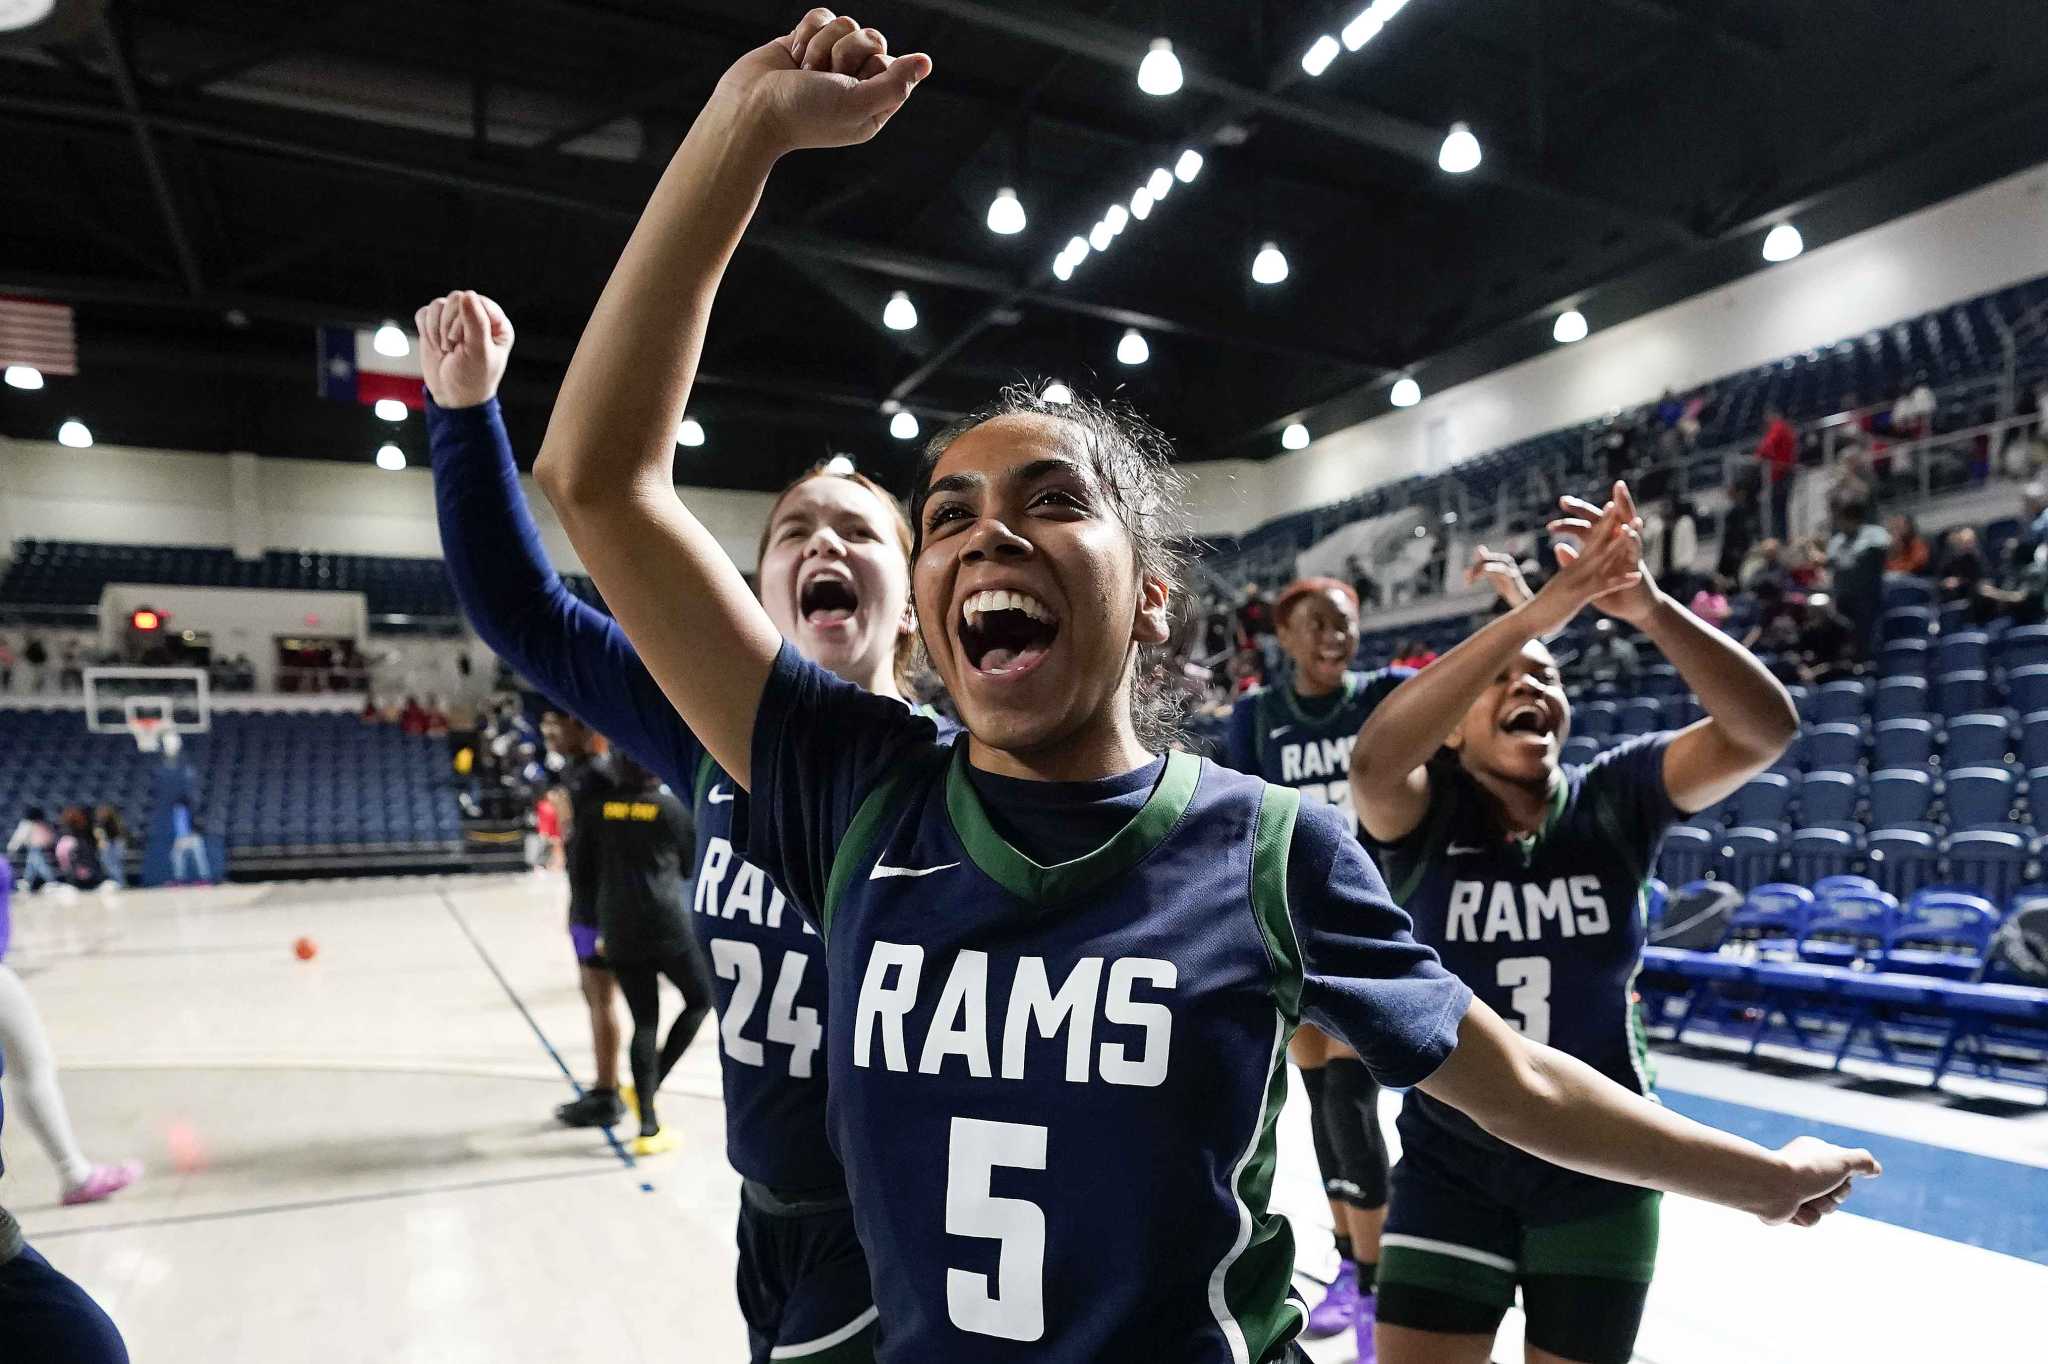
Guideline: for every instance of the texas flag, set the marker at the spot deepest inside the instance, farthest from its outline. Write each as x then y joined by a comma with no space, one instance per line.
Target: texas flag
353,370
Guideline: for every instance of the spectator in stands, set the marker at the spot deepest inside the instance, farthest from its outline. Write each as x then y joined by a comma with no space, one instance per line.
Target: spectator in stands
1738,526
413,719
1806,565
2034,519
78,853
1609,659
1671,543
1828,647
1908,552
1710,603
37,656
71,673
6,666
1913,413
1413,653
1669,411
33,838
370,714
1778,453
1963,575
111,832
188,845
1856,561
1254,616
1775,640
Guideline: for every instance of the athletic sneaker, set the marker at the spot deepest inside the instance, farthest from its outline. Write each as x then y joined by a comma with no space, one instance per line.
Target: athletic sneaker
1338,1307
597,1108
104,1182
1362,1323
661,1141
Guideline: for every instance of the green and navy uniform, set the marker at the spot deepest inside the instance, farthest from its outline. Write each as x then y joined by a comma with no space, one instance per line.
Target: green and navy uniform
1549,931
802,1277
1305,741
1055,1063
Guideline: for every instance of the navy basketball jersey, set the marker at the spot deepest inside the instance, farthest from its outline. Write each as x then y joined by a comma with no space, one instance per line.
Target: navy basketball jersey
1054,1089
1548,930
1305,741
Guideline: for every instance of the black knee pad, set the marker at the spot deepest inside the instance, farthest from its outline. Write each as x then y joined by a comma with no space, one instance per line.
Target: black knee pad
1316,1082
1353,1121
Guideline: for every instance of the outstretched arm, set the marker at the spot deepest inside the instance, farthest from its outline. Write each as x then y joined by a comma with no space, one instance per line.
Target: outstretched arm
1750,716
1561,1109
608,461
513,597
1389,779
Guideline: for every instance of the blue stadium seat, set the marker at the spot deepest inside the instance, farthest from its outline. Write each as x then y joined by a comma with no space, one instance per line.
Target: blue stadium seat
1900,696
1905,622
1848,700
1991,861
2034,739
1977,740
1963,692
1764,799
1750,855
1837,745
2027,688
1579,750
1979,796
1642,715
1689,853
1900,795
1904,858
1967,650
1828,796
1903,743
2023,646
1904,658
1903,590
1595,719
1818,851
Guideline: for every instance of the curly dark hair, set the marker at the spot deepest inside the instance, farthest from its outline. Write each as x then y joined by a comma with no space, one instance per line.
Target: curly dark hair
1132,460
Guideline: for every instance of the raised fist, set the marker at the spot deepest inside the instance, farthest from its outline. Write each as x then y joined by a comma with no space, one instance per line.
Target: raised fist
827,83
465,340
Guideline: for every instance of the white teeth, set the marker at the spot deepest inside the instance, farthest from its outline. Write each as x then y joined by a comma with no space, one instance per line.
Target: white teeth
981,603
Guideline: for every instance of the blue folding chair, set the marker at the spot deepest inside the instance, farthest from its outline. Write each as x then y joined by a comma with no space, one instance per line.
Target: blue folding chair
1991,862
1979,797
1941,932
1776,909
1642,715
1898,697
1750,855
1764,799
1905,622
1837,745
1841,883
1844,928
2027,688
1816,852
1964,692
1900,795
1828,796
1998,1023
1978,740
1964,651
1848,700
1903,860
1903,743
1689,853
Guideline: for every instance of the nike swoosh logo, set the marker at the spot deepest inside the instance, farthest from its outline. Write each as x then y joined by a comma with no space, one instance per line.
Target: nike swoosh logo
714,798
1276,733
883,871
1461,849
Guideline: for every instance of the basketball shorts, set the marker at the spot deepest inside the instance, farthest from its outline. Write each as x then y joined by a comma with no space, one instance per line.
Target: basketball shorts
584,937
803,1280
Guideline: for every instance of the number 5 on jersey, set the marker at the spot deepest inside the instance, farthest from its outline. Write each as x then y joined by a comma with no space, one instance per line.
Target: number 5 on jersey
740,962
974,1151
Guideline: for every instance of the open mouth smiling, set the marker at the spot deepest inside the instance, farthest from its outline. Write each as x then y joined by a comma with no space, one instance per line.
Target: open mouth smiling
827,599
1005,633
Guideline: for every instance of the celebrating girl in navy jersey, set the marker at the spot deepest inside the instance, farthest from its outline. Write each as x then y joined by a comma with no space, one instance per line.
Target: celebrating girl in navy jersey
1062,969
835,578
1527,878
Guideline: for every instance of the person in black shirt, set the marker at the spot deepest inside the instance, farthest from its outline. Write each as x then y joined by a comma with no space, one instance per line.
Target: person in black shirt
598,1106
633,841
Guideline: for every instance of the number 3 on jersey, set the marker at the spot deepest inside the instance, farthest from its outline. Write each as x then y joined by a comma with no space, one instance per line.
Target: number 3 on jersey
1529,978
740,962
974,1151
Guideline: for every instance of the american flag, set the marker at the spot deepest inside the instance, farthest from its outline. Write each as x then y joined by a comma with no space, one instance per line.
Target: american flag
38,334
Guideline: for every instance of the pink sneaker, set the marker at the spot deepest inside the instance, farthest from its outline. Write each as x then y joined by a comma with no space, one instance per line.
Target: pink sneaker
104,1182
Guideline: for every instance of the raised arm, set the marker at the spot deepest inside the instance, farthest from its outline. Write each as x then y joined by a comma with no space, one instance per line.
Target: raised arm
608,461
1389,776
1558,1107
1750,716
513,597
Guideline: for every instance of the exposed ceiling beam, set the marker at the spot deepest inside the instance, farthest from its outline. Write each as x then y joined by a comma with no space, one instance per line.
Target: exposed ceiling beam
123,77
339,19
1355,123
1728,40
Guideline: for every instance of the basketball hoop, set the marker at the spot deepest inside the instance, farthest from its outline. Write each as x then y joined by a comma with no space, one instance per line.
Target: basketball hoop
148,731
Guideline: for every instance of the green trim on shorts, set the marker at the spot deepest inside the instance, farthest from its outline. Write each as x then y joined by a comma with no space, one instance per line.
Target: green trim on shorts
1411,1261
1619,1244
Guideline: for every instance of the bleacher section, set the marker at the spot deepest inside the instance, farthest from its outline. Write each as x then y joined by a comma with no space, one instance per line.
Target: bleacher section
59,573
1961,349
278,787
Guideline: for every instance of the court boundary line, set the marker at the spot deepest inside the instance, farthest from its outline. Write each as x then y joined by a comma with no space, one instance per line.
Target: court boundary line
448,902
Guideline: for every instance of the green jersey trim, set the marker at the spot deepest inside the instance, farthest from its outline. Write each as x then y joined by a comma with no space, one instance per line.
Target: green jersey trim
856,848
707,777
1028,880
1278,809
1250,1289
